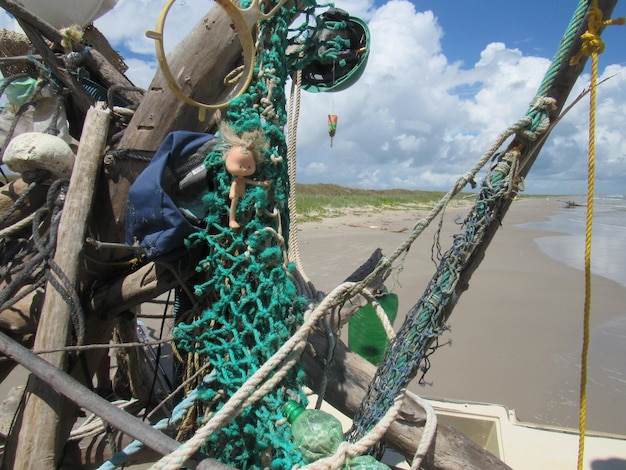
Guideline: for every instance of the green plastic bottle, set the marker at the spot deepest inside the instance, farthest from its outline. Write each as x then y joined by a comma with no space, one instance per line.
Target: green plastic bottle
318,434
366,462
366,335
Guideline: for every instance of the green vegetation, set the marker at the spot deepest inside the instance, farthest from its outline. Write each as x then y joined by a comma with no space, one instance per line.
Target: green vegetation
319,201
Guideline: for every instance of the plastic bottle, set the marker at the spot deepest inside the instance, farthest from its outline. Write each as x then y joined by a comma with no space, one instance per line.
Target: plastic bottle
366,462
366,335
318,434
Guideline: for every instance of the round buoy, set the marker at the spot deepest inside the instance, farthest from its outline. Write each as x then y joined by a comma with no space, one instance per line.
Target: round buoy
34,151
65,13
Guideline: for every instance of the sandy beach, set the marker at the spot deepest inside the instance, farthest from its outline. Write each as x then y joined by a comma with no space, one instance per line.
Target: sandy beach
516,333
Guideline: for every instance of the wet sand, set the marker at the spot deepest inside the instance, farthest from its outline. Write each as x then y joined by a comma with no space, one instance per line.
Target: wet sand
516,333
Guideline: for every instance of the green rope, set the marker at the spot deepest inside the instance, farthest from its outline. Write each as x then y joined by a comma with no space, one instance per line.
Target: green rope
572,33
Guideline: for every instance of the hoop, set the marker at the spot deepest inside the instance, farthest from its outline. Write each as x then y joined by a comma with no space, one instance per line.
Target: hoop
244,21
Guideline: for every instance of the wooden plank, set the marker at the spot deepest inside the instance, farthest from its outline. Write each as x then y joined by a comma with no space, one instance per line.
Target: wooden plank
200,62
44,427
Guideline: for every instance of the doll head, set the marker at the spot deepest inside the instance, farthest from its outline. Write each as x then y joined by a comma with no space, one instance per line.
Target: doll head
240,161
243,152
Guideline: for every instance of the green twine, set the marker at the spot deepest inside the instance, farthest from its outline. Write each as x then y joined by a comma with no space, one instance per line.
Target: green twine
563,51
258,307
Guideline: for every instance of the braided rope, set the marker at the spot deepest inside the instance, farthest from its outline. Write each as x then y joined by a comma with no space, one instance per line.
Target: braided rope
387,262
563,50
592,46
428,434
294,249
424,323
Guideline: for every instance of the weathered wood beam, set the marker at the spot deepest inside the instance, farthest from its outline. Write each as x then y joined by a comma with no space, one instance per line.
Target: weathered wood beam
83,397
199,62
44,427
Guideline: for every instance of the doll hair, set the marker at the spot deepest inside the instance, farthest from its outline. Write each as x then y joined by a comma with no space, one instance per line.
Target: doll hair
254,141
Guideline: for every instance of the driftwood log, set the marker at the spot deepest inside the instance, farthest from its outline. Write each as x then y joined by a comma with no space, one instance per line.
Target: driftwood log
45,407
349,374
348,377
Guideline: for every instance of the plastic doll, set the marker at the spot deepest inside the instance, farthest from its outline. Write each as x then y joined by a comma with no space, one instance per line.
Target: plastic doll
241,155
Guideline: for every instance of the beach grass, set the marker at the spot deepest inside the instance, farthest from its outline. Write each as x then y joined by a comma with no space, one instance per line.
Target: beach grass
320,201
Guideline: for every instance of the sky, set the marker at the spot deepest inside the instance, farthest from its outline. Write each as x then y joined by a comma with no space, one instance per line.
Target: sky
444,78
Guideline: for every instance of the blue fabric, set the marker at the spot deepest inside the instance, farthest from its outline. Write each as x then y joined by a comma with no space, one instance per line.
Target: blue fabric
152,217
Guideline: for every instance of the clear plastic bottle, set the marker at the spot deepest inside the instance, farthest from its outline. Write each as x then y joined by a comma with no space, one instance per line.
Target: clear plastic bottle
366,462
318,434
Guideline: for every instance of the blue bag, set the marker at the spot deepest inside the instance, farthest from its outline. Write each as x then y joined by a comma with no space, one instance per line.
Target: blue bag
154,215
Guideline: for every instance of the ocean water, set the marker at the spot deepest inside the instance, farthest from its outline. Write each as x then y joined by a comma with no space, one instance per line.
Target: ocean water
608,237
607,349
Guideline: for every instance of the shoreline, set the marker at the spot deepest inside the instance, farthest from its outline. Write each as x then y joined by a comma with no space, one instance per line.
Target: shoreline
516,333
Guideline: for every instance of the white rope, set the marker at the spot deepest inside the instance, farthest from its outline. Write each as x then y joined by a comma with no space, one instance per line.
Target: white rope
430,425
428,434
380,313
346,450
292,126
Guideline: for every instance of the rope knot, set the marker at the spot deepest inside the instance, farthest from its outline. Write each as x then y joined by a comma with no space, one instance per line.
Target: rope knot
591,41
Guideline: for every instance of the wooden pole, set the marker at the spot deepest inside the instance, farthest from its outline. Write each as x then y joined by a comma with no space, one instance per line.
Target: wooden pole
560,90
45,424
82,396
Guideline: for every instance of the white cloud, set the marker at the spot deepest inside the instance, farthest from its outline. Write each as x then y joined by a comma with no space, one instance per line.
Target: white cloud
415,119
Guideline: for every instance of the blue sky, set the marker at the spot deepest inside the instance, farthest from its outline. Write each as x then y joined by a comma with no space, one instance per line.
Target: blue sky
533,26
444,78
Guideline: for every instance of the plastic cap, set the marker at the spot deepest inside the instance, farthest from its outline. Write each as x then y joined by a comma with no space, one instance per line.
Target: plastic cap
292,410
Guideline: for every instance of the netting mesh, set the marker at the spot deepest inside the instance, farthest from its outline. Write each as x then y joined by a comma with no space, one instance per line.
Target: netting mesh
257,306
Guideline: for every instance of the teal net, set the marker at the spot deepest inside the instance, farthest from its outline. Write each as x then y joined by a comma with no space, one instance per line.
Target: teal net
255,306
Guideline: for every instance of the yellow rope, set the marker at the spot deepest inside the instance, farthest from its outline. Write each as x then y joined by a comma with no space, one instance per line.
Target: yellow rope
592,45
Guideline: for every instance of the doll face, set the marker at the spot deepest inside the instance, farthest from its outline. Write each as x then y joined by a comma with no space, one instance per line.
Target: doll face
239,161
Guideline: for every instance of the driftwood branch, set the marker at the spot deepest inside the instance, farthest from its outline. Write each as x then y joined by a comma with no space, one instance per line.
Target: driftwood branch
348,376
41,436
83,397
